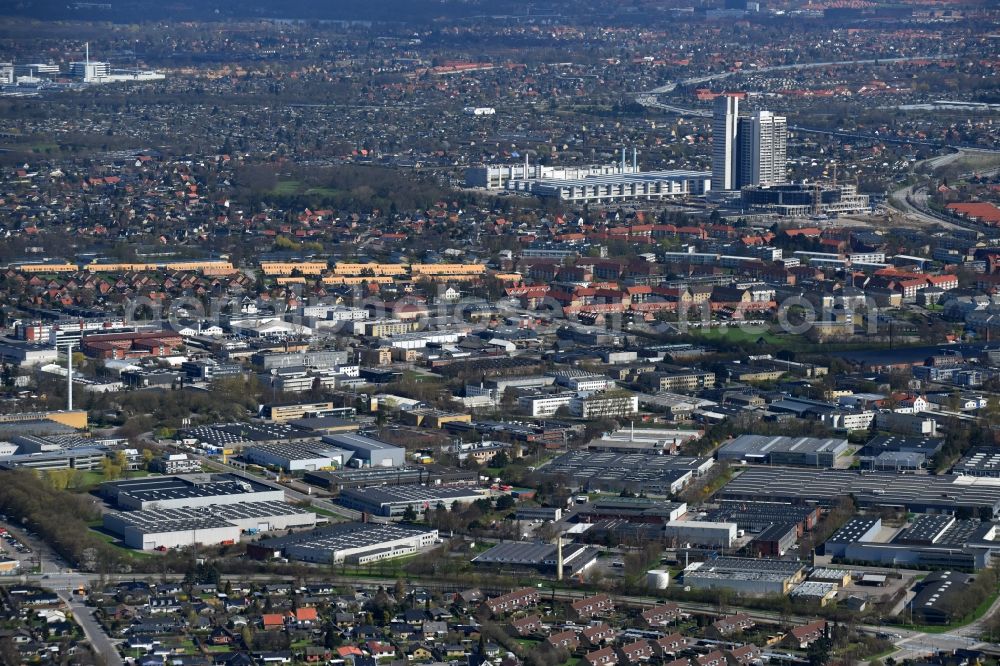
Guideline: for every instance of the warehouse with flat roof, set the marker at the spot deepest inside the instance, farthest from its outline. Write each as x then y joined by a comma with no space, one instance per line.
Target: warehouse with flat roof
194,490
176,528
368,451
946,493
614,472
776,450
340,479
538,556
393,501
290,457
359,543
758,516
748,576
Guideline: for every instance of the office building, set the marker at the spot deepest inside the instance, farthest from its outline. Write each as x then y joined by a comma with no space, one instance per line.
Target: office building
724,136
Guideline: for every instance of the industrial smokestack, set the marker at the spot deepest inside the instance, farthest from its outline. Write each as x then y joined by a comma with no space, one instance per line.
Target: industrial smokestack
559,558
623,159
69,377
635,160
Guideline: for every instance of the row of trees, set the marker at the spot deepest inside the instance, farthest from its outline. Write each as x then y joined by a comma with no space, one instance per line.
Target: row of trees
60,518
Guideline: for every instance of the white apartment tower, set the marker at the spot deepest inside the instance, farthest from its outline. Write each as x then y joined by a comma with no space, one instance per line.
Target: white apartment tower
724,129
761,150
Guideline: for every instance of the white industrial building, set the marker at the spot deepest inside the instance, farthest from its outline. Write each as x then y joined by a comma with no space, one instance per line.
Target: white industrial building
196,490
295,457
701,532
178,528
367,451
359,543
393,501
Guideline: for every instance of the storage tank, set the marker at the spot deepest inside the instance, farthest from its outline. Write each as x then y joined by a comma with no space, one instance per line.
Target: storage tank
658,579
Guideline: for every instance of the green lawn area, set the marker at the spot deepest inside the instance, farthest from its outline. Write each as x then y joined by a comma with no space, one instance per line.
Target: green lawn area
93,477
287,187
322,191
527,643
324,512
95,528
747,334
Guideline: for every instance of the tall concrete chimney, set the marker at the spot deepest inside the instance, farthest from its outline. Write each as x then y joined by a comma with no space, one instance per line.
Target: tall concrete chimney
69,377
559,558
635,160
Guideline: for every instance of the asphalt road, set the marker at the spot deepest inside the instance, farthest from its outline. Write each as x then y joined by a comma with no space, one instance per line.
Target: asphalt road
99,639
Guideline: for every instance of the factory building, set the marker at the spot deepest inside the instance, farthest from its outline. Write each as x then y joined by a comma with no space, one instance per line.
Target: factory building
541,557
297,457
771,450
945,493
614,472
196,490
176,528
358,543
752,577
775,540
701,533
632,509
430,475
367,451
758,516
393,501
853,531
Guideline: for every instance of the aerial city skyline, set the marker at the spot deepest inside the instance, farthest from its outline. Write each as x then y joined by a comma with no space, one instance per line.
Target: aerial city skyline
467,333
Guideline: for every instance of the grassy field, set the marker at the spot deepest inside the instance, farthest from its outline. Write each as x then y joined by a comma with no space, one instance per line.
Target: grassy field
97,528
735,334
287,187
